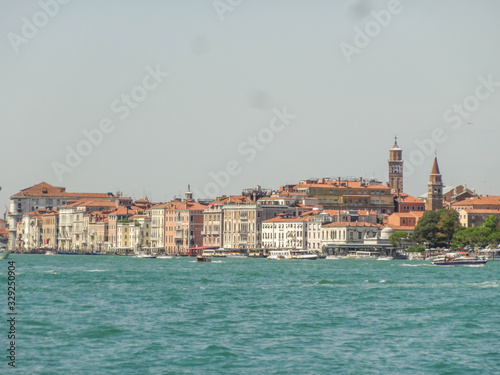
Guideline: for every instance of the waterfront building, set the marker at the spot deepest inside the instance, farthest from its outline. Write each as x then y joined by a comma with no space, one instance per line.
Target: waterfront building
396,168
118,240
40,196
97,231
31,233
183,224
285,231
140,233
50,229
242,226
435,199
213,219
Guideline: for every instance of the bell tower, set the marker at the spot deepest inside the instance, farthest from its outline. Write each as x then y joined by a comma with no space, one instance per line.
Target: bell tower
435,189
396,168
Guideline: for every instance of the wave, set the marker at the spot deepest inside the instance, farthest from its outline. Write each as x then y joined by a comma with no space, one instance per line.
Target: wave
96,270
415,265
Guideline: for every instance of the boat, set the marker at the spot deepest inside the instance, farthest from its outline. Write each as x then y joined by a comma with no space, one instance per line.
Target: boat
292,254
334,257
203,258
385,258
367,254
218,253
4,254
460,261
164,256
279,254
303,255
146,256
48,252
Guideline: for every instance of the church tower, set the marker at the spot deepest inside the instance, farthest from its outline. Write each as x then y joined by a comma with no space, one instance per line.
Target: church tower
435,192
396,168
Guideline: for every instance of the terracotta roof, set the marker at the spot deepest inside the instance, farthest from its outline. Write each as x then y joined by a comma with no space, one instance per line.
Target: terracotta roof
44,189
350,224
403,197
279,219
349,184
482,211
479,201
407,228
232,199
411,214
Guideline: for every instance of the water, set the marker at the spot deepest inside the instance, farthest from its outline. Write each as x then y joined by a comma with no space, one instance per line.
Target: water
124,315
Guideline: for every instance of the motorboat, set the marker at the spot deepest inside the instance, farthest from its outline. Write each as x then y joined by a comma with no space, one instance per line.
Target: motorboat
292,254
219,253
385,258
4,254
460,261
203,258
164,256
146,256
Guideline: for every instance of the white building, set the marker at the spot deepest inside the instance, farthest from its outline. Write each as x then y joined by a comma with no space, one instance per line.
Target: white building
285,231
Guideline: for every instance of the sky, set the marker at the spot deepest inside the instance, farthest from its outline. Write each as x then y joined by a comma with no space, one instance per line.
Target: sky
148,97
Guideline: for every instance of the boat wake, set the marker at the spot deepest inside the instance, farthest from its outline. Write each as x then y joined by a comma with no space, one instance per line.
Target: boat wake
96,270
415,265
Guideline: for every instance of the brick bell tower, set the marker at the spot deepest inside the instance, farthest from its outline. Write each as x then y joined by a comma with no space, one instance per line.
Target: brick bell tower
396,168
435,189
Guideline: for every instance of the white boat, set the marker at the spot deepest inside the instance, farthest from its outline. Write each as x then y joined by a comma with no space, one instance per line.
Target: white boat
334,257
367,254
303,255
292,254
385,258
146,256
216,253
460,261
4,254
49,253
164,256
279,254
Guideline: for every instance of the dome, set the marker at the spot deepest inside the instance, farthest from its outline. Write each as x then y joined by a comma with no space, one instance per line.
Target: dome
386,233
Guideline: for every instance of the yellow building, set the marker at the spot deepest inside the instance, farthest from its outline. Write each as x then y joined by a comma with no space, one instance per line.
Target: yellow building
344,194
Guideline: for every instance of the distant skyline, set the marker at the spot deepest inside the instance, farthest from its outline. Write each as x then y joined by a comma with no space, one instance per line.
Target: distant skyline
148,97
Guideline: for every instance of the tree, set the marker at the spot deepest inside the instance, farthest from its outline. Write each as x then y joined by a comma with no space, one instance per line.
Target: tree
447,226
396,238
427,228
491,223
494,239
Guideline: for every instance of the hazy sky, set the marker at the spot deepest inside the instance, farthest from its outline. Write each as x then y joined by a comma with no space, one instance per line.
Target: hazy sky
180,86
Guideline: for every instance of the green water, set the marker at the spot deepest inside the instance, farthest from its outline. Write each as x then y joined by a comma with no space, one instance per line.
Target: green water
124,315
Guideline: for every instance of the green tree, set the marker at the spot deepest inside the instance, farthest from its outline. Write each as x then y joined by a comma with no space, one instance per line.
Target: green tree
427,228
447,226
491,223
397,238
494,239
